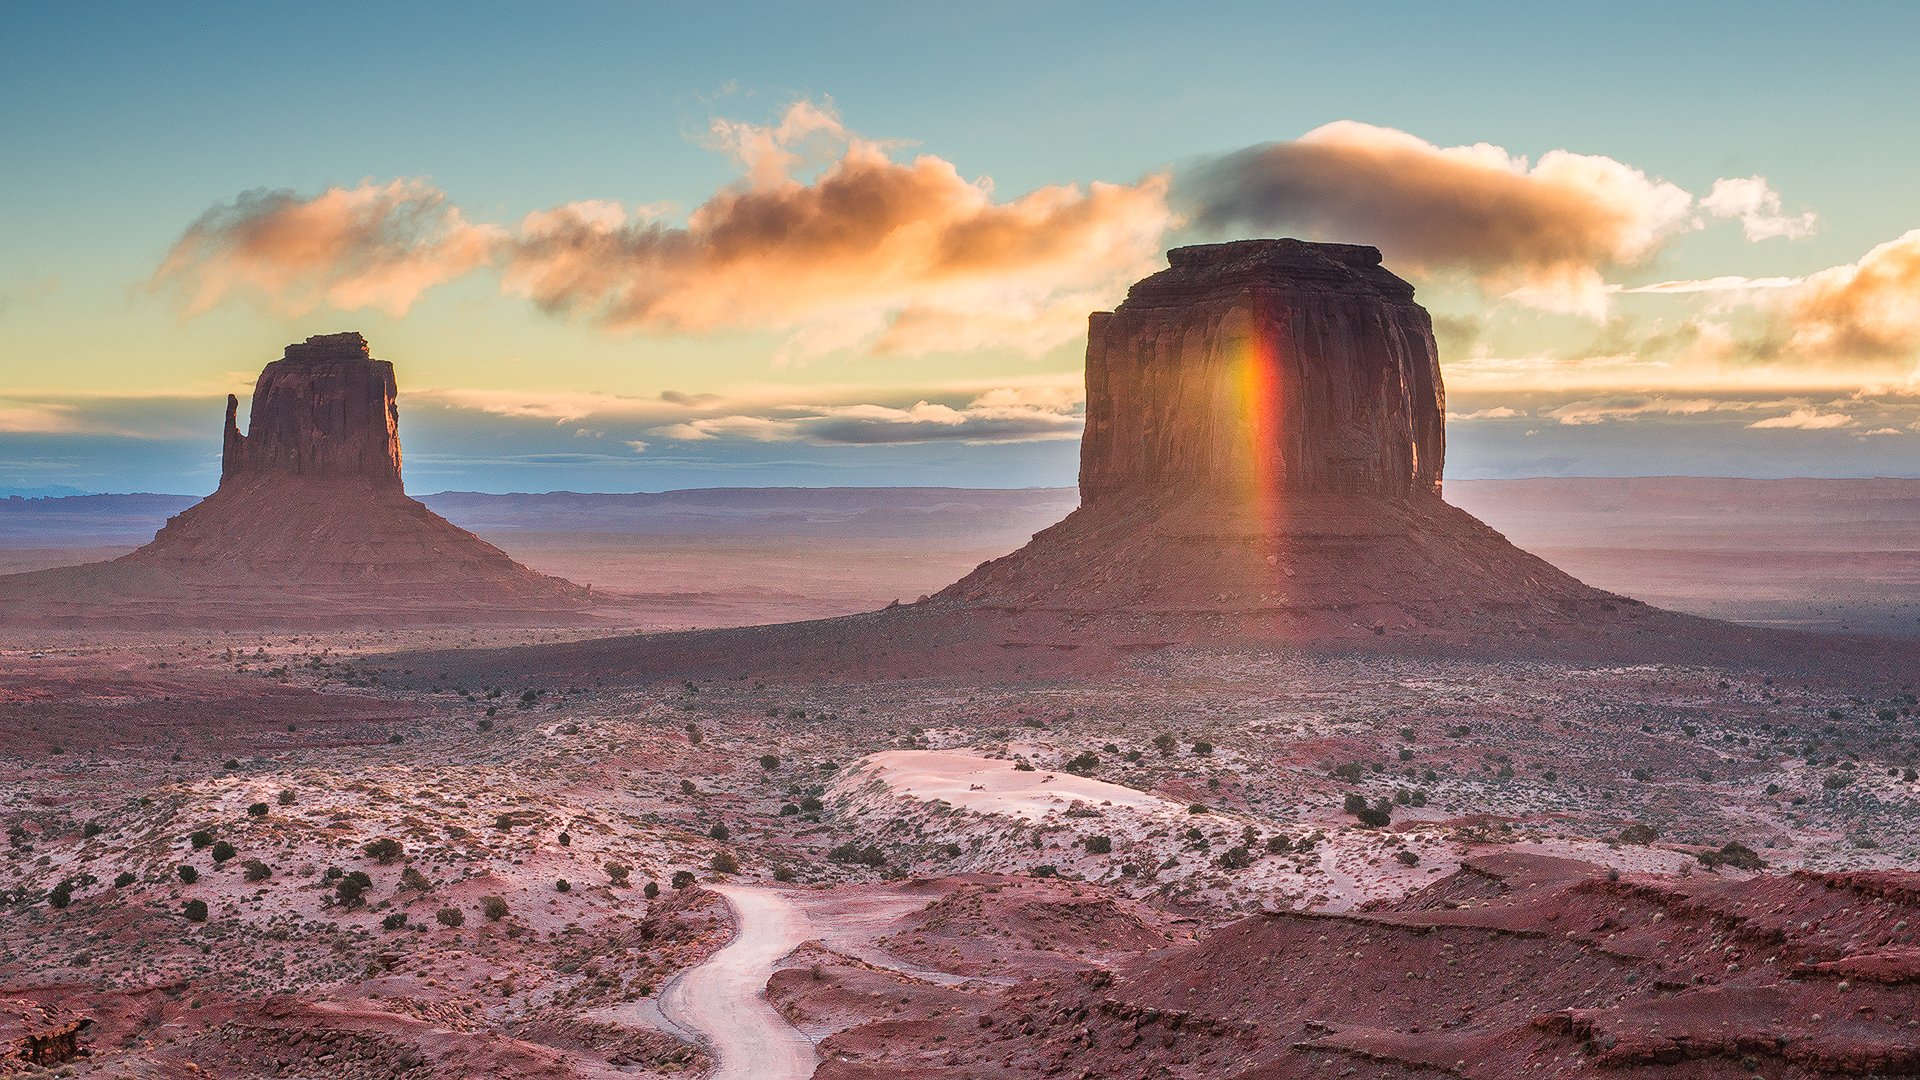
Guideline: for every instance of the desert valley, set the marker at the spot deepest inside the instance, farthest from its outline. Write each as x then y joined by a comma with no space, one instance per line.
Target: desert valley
971,541
1267,761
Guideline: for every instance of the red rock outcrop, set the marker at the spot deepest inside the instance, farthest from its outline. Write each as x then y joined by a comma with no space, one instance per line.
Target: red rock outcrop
310,526
324,410
1271,363
1264,448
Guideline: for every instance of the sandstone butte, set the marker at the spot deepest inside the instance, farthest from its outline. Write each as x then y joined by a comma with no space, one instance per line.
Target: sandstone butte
1262,465
1264,452
310,526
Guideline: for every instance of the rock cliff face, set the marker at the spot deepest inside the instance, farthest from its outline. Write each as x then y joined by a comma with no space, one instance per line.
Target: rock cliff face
1263,456
325,410
1275,364
310,527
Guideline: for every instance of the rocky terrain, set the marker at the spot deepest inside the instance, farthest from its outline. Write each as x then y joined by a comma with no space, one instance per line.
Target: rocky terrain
1294,771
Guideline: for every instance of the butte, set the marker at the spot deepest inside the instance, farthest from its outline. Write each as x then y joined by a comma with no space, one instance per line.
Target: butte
1262,465
309,527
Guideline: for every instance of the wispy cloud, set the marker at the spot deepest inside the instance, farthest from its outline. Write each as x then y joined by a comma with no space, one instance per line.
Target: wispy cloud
1806,419
378,246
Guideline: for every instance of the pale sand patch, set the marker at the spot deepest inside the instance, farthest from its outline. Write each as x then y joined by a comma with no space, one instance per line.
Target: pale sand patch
989,786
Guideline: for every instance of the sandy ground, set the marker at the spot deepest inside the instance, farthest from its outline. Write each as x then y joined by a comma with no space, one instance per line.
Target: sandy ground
722,1002
997,787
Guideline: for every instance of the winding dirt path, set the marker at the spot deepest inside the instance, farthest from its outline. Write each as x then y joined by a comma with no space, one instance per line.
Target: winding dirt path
721,1001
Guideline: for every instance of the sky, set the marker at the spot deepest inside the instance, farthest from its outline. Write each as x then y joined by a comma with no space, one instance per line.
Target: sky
635,247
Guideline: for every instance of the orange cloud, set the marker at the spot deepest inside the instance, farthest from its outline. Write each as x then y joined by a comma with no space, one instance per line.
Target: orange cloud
1863,311
1543,232
871,253
372,246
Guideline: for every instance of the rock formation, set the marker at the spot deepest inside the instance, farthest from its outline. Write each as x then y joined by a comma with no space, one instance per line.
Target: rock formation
310,526
1263,454
324,410
1264,363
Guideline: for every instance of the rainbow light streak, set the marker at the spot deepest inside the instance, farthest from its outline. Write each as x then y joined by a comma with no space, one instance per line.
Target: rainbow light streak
1257,377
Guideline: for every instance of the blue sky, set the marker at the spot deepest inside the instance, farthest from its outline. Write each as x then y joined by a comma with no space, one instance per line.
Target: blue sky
123,126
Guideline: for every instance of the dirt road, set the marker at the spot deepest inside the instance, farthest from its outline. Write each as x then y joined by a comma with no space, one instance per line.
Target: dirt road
720,1001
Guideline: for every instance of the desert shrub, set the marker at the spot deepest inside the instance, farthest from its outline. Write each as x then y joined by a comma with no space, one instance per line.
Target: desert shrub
1505,772
394,921
617,872
563,885
350,888
651,890
1642,775
852,852
255,870
687,788
725,863
719,831
285,797
1735,854
1354,803
1418,797
503,821
811,805
1406,754
1279,845
1044,870
450,917
125,879
1639,833
783,873
493,907
693,734
789,810
384,849
222,851
411,878
1236,858
1373,818
201,838
1407,857
1165,743
682,879
1202,747
769,762
1083,763
1098,845
195,911
485,723
60,895
1834,781
258,809
91,829
187,873
1350,772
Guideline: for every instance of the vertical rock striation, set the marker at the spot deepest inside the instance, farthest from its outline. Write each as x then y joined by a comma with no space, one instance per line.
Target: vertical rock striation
326,409
1264,363
1263,457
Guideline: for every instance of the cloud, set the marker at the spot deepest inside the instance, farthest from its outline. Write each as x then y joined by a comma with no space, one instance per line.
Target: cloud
1498,412
1578,413
872,253
371,246
1863,311
1543,233
1805,420
1723,283
39,418
1756,205
999,416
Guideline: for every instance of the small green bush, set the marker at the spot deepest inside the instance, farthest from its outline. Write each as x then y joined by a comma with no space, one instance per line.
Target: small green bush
187,873
450,917
384,849
493,907
255,870
195,911
222,851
